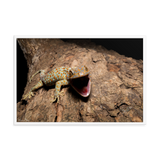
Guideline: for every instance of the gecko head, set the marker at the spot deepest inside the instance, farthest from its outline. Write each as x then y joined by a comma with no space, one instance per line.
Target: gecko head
80,80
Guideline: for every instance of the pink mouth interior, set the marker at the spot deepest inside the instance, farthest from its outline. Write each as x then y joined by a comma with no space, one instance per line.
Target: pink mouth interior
81,85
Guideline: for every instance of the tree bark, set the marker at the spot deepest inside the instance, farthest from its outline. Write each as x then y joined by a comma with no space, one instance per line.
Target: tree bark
116,83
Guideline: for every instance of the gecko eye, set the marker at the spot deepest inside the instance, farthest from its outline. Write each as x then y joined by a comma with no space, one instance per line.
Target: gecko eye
71,72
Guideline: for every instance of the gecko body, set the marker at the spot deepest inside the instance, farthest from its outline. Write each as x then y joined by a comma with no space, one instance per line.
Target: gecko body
77,77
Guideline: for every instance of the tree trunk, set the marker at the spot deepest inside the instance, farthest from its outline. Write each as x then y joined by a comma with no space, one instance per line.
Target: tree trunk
116,84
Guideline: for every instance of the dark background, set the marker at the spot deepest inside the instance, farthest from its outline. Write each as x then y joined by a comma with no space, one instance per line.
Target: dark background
130,47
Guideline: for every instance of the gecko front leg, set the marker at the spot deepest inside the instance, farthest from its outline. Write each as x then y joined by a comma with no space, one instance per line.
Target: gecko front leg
57,92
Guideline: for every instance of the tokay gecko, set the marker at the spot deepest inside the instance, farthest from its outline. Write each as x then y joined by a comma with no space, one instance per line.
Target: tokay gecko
77,77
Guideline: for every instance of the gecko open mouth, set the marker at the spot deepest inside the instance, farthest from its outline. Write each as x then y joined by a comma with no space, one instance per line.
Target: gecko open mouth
82,85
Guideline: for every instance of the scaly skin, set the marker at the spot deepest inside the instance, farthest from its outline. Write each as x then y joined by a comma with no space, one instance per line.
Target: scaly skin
59,76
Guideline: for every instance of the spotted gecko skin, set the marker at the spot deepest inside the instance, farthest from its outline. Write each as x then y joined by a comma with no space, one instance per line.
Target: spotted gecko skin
58,77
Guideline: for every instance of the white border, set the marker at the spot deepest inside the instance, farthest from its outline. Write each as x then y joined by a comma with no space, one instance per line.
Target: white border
80,35
75,123
147,79
11,82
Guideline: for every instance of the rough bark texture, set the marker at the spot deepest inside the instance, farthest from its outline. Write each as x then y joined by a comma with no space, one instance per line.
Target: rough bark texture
117,84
